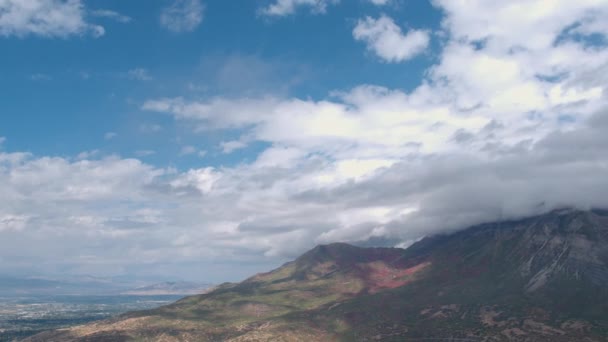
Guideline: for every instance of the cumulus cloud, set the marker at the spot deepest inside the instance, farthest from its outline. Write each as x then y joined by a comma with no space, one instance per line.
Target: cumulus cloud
490,122
282,8
46,18
182,15
384,38
528,24
508,122
286,194
54,208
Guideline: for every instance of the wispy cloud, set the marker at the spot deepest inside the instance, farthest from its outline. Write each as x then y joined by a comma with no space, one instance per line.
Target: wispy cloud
182,15
139,74
150,128
87,154
187,150
110,135
13,222
46,18
282,8
40,77
109,14
144,153
232,145
380,2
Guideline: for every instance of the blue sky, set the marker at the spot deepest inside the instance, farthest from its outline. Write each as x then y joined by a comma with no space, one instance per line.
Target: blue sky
208,140
79,88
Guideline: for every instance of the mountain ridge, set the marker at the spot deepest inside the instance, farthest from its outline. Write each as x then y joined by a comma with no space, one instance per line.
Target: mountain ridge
170,288
540,278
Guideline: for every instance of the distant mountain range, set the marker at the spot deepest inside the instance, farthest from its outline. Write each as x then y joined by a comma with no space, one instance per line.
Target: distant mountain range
537,279
13,286
170,288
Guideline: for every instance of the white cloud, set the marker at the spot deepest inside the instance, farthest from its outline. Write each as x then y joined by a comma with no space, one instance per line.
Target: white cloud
182,15
115,210
383,37
103,13
530,24
373,119
43,175
232,145
486,124
282,8
279,156
203,180
519,65
487,121
47,18
2,140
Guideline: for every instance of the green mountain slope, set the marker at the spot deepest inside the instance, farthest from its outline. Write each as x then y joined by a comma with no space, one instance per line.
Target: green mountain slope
538,279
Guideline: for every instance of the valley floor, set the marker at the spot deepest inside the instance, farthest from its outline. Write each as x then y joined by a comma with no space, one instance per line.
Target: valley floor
24,316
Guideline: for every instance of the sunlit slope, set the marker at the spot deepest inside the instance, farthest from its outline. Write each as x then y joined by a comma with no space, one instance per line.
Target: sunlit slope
539,279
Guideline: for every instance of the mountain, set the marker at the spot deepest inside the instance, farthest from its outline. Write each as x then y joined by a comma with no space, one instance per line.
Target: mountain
40,286
87,285
542,278
170,288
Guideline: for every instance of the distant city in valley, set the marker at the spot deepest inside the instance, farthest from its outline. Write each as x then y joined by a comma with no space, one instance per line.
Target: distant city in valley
31,305
23,316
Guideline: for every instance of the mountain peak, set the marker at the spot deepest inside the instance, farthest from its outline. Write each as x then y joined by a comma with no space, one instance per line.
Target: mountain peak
345,257
333,251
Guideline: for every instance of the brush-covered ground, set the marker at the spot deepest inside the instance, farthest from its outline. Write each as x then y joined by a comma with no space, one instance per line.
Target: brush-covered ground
539,279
